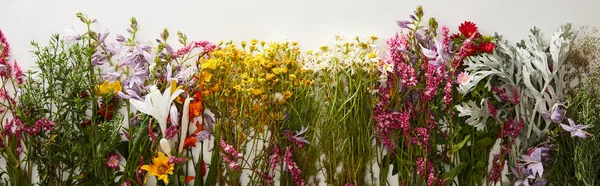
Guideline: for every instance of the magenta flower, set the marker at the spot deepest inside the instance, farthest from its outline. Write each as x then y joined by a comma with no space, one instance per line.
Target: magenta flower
112,161
576,130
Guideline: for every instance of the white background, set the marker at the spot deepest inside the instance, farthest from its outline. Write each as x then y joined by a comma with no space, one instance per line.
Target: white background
311,22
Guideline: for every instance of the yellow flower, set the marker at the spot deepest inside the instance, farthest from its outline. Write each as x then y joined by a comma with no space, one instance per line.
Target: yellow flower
106,87
292,76
206,76
277,71
160,167
254,41
372,55
287,94
256,92
270,76
210,64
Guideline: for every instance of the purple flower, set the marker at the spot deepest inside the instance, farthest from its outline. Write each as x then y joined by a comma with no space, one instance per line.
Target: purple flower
557,113
70,35
403,24
436,54
534,161
523,175
138,54
298,139
575,130
202,135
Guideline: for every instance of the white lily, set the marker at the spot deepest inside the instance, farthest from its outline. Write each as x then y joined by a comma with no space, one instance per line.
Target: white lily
165,145
185,121
157,104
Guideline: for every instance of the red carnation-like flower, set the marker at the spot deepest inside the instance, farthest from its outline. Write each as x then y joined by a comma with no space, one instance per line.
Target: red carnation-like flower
468,29
487,47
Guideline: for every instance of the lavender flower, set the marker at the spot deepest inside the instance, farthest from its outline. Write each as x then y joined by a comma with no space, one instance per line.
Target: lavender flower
534,161
557,113
576,130
436,54
70,35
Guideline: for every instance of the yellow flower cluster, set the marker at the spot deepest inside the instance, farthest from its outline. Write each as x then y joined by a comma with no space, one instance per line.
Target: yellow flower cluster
252,83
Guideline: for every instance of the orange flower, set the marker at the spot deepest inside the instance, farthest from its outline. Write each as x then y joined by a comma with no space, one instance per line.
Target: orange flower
195,109
189,142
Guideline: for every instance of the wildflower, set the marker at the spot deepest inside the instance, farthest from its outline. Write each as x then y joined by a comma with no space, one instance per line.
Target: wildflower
165,145
445,38
557,113
468,29
533,161
232,164
108,88
293,168
436,55
487,47
70,35
229,149
189,142
297,139
126,183
157,104
160,168
46,124
463,78
274,159
576,130
497,167
112,161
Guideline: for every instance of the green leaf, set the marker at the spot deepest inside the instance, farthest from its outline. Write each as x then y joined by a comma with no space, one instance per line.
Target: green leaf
211,178
485,142
452,174
458,146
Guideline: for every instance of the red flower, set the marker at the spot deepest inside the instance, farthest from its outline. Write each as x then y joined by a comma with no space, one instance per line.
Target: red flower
189,178
189,142
468,28
203,168
106,112
487,47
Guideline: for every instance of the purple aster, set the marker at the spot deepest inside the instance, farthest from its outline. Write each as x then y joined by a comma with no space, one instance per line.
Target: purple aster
576,129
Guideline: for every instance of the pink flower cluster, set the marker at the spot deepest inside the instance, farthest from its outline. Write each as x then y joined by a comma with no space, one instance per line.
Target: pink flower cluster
293,168
274,159
514,99
230,151
385,122
205,45
512,129
435,76
4,49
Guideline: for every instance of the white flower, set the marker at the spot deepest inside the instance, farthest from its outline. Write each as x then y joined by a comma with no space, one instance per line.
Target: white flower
157,104
278,97
165,145
185,121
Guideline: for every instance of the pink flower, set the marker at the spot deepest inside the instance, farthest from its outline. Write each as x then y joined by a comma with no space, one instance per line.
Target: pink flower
231,164
463,78
293,168
112,161
274,159
45,123
229,149
126,183
420,166
445,38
